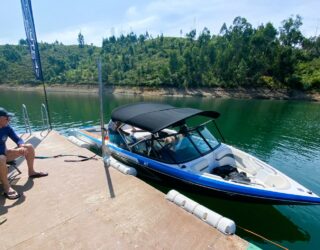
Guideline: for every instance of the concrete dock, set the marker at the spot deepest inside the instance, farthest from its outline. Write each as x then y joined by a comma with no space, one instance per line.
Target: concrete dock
82,205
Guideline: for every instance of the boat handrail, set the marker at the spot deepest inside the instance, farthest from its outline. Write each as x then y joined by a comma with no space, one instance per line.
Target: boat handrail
137,142
248,183
45,118
201,125
26,119
217,177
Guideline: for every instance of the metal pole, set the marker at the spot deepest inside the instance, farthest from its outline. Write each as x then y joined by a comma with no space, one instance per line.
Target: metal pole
103,132
47,104
214,122
33,47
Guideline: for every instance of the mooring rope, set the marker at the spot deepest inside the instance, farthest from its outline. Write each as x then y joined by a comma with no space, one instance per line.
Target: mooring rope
84,158
264,238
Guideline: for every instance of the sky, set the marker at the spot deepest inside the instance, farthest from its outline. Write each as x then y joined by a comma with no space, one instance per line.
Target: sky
62,20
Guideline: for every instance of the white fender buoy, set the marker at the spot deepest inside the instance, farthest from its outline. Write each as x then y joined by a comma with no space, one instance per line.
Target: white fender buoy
207,215
185,202
227,226
182,201
171,195
122,167
78,142
212,218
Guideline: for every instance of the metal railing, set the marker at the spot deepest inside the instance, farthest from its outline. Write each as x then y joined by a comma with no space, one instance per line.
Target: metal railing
44,116
26,119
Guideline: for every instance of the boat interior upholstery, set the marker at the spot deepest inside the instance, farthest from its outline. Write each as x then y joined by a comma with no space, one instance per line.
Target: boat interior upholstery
255,169
249,169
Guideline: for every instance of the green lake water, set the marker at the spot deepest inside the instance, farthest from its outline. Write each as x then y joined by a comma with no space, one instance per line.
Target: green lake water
285,134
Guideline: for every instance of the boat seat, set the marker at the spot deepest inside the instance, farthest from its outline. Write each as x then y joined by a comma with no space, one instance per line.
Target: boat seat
225,157
246,164
169,131
230,157
272,180
201,166
136,133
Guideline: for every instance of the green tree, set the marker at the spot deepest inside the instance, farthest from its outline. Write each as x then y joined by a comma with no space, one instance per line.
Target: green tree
173,62
311,47
23,42
290,34
263,51
191,35
3,68
11,54
240,55
80,40
204,37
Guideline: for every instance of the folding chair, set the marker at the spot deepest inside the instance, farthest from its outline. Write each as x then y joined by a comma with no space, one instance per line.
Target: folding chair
13,164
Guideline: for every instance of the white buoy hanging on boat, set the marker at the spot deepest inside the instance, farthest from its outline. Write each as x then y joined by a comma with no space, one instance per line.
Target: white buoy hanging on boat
78,142
212,218
122,167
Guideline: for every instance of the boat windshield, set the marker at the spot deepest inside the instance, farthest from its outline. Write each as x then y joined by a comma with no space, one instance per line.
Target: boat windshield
180,147
208,137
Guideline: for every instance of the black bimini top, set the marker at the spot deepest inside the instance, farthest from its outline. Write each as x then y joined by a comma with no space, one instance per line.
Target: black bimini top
153,117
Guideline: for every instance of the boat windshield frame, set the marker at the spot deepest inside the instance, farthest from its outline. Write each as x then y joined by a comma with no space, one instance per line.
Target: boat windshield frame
196,144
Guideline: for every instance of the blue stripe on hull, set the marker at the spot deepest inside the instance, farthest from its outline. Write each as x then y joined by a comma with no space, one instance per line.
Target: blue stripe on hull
211,184
216,185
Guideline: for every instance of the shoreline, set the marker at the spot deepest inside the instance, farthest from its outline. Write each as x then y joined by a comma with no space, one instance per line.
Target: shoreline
216,92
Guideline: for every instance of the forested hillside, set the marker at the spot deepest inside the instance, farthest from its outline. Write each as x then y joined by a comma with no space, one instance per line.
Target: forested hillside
240,55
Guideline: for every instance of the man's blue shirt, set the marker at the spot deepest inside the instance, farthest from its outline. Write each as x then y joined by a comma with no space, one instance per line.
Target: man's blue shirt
6,132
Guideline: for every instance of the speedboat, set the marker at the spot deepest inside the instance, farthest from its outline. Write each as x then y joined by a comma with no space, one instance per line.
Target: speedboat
167,143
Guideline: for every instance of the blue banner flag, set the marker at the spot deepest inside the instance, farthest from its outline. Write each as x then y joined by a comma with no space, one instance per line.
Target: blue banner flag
32,38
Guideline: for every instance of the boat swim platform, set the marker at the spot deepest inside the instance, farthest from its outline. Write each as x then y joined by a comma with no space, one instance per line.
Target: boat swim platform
83,205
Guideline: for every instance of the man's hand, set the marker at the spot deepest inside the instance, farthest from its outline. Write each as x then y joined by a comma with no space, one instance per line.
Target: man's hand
22,150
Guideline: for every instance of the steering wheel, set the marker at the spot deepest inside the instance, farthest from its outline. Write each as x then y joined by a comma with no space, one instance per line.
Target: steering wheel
169,145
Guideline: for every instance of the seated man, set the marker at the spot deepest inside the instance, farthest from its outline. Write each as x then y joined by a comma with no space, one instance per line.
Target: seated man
7,155
121,134
181,140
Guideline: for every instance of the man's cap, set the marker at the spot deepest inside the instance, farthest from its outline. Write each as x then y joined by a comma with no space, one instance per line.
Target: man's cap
4,112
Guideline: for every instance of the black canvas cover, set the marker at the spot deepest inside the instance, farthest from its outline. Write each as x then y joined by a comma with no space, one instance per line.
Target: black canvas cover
154,117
